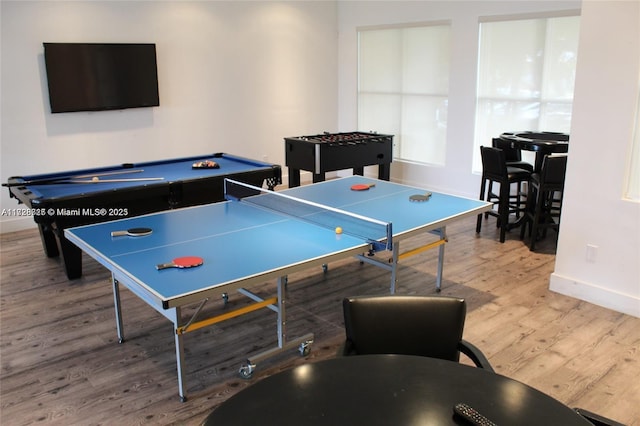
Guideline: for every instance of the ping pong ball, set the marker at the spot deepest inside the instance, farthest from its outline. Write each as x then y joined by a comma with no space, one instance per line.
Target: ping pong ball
95,179
338,230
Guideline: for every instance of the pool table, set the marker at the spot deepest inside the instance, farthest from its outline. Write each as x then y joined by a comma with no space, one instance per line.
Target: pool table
66,199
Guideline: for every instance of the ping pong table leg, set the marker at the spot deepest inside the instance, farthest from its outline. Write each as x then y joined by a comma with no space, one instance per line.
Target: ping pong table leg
302,343
394,267
389,265
118,308
176,316
442,239
443,236
282,315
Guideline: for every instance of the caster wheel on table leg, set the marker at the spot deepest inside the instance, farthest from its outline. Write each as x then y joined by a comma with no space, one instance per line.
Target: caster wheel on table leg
305,348
246,370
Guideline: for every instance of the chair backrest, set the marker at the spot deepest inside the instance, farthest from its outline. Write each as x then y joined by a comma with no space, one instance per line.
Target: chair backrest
494,163
510,153
553,170
410,325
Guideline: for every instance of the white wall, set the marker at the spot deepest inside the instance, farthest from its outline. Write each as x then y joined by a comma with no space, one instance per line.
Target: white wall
605,95
234,77
595,212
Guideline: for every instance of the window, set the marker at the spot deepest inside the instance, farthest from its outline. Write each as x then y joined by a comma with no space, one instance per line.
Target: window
403,85
526,74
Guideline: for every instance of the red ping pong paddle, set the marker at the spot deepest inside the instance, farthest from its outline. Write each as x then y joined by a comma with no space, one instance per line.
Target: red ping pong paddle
132,232
182,262
362,186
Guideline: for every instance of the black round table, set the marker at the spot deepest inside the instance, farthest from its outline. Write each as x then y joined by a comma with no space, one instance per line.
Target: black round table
388,390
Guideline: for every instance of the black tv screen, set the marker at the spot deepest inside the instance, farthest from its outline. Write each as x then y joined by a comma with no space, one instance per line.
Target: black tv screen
101,76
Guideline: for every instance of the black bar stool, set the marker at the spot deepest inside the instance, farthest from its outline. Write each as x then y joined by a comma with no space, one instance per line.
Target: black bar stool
495,170
544,200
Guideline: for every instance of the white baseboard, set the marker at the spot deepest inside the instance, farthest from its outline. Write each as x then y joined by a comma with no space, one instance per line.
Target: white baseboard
18,224
607,298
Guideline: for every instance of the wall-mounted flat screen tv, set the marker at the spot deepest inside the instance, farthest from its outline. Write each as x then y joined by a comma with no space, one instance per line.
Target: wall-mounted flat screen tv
101,76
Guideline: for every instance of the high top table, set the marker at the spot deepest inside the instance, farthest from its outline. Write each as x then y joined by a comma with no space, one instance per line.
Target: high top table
542,143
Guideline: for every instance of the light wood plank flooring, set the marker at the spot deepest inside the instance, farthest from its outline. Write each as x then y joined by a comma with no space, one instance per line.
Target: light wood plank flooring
61,363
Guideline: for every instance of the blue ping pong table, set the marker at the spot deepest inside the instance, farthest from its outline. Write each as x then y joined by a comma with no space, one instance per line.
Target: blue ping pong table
243,244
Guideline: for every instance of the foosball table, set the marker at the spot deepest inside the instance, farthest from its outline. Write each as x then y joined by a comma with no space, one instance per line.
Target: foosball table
328,152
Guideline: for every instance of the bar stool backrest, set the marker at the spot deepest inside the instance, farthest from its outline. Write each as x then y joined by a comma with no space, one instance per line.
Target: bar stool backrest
554,168
494,164
510,153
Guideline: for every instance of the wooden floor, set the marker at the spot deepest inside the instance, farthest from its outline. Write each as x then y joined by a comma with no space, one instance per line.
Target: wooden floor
62,364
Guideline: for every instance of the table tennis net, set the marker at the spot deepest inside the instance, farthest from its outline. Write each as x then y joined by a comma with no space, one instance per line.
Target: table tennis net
376,232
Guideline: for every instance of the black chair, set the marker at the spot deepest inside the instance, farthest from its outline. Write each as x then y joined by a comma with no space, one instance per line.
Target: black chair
512,155
544,201
513,158
596,419
428,326
496,171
